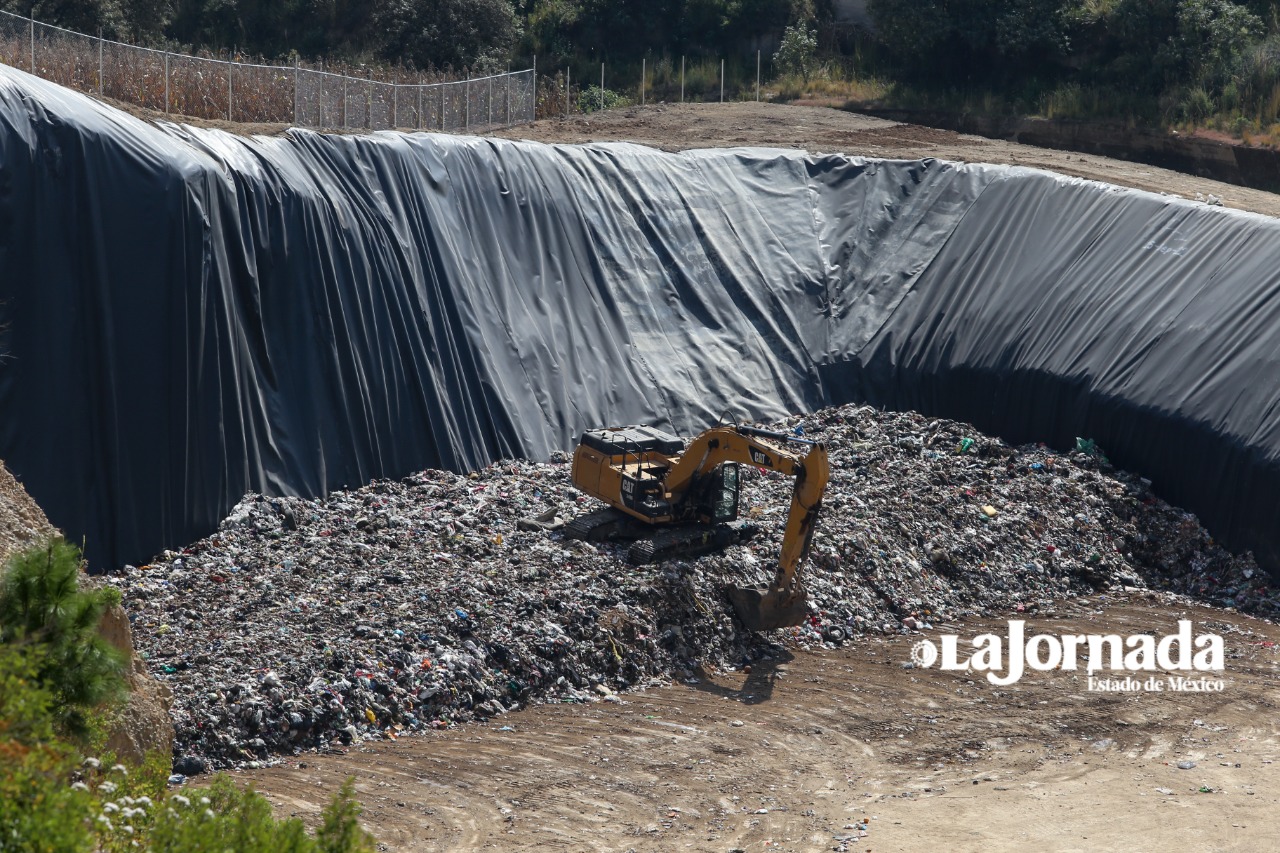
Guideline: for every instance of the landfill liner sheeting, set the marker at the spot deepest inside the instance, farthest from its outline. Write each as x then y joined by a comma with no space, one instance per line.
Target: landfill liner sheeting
188,315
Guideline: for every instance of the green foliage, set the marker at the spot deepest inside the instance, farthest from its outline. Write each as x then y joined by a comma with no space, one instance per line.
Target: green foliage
227,818
39,811
623,31
944,41
447,33
589,100
798,52
340,830
42,605
1195,106
1153,61
55,671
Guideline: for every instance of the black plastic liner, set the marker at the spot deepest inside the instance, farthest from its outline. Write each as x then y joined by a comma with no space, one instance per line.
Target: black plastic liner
189,315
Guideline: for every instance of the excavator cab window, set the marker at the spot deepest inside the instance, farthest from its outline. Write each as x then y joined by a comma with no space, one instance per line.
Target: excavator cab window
724,500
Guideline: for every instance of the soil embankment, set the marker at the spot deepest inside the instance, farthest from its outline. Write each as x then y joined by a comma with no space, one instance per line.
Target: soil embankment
676,127
1201,155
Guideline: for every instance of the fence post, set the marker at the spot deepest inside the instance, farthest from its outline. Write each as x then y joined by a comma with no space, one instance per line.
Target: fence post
491,102
231,66
566,91
722,81
682,79
33,45
295,88
344,102
166,82
368,98
395,105
419,127
643,68
101,87
757,76
466,107
601,87
508,97
442,88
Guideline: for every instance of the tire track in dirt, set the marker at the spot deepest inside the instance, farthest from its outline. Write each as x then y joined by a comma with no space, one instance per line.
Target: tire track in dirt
798,750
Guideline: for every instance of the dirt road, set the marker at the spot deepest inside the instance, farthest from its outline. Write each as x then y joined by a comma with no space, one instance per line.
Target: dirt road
804,751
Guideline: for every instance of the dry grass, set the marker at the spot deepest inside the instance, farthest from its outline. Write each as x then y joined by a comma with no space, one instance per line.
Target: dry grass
254,91
834,89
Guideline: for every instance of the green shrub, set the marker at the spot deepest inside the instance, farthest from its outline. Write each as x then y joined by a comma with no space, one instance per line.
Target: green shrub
42,606
340,830
1195,106
39,810
589,100
227,818
798,53
55,671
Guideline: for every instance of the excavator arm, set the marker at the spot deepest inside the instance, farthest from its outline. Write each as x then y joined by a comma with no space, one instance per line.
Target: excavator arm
782,603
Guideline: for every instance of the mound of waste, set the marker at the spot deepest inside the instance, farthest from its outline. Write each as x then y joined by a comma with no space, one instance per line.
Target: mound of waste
420,603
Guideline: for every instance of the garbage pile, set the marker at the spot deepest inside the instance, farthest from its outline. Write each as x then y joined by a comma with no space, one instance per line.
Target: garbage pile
420,603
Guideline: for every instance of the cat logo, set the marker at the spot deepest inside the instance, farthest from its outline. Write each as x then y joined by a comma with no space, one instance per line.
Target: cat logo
761,458
629,486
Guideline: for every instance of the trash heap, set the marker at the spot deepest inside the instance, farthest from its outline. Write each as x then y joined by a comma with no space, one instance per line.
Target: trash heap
422,602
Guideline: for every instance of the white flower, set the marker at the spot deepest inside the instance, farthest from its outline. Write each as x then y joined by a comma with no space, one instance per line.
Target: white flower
105,821
128,829
107,787
110,808
92,763
120,768
143,802
180,800
208,813
204,801
79,786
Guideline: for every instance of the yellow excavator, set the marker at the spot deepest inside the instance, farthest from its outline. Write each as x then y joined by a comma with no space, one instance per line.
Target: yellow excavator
673,501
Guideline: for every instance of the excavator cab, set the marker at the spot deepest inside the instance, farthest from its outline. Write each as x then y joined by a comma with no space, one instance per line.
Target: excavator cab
717,498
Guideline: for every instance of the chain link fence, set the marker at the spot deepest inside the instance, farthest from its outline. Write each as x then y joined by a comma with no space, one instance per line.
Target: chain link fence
209,88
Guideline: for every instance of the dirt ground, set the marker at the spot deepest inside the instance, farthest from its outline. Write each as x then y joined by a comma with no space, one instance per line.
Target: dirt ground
822,129
803,752
674,127
847,749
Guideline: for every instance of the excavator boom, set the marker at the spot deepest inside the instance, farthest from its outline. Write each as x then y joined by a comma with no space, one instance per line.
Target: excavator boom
648,483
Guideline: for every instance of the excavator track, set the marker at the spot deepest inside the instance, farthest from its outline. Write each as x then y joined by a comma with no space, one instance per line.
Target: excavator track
688,541
601,525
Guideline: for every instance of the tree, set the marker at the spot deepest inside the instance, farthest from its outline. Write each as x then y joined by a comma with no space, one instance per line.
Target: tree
942,41
39,811
1156,45
1213,36
43,607
453,33
798,52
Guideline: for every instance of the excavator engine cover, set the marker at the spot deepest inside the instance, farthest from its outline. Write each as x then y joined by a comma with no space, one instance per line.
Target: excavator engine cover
762,609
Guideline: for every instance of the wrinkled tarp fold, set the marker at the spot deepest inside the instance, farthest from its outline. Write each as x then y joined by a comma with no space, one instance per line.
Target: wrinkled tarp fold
186,315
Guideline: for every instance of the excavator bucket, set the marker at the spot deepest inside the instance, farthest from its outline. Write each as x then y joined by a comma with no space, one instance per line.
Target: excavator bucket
763,609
